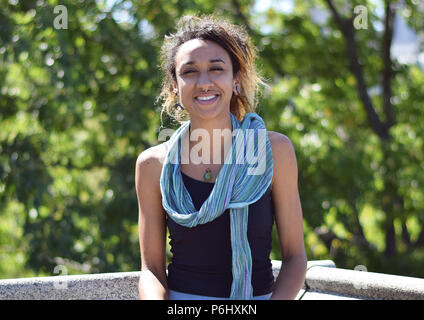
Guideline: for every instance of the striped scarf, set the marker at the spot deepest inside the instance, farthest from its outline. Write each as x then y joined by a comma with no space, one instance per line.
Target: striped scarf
237,185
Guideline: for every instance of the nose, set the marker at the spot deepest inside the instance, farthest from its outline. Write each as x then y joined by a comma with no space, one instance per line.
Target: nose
204,83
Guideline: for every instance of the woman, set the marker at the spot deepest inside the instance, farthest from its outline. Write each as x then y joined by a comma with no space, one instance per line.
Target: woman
219,214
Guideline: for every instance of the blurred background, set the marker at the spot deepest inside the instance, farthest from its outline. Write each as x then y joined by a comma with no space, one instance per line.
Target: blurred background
77,106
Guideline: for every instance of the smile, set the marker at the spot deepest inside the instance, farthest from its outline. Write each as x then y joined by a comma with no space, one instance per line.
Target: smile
207,100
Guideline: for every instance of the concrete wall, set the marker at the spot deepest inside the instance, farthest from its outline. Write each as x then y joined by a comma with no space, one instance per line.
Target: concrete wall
323,281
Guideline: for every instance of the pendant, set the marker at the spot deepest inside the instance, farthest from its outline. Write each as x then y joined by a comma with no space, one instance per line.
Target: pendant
207,174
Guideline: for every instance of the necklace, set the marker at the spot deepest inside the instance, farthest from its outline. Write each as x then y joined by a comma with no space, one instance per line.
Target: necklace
207,176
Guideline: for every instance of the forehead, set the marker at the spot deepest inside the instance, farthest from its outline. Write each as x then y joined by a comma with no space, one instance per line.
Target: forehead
198,50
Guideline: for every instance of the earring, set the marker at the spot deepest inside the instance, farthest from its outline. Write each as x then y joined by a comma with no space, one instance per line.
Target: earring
178,107
238,89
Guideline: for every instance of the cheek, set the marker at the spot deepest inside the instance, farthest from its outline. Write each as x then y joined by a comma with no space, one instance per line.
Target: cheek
228,86
186,87
225,81
183,82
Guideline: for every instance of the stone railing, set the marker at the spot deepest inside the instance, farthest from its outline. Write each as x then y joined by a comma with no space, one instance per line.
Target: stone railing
323,281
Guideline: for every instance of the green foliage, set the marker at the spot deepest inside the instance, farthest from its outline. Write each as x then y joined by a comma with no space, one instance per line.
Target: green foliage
77,107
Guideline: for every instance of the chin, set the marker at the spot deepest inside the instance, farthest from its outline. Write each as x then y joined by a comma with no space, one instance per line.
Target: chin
210,112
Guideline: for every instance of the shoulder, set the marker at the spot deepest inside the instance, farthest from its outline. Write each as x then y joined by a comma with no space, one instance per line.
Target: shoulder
283,153
149,163
281,145
152,155
278,139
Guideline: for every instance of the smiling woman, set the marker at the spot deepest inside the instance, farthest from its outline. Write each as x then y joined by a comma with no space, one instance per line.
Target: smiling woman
219,215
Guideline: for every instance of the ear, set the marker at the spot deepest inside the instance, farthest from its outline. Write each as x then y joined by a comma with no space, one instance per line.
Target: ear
174,86
236,79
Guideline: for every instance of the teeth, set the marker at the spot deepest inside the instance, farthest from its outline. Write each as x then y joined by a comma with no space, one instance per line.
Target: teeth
206,98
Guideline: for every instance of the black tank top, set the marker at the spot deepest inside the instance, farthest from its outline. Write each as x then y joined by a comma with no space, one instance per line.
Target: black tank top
201,262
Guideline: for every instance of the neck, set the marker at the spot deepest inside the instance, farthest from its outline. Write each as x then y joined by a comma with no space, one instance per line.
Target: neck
218,143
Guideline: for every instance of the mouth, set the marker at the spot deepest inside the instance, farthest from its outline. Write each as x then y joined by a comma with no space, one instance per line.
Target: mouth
205,100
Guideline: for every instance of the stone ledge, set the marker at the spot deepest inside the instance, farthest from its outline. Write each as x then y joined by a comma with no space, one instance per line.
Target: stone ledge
102,286
323,282
368,285
318,295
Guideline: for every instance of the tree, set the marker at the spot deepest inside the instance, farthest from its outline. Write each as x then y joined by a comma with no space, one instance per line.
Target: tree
77,107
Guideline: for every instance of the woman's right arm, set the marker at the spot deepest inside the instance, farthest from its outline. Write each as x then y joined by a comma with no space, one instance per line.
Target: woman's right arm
151,227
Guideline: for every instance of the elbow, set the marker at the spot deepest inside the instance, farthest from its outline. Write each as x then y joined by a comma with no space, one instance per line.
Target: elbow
301,261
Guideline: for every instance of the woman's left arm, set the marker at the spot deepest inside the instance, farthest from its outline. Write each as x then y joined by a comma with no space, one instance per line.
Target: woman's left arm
288,218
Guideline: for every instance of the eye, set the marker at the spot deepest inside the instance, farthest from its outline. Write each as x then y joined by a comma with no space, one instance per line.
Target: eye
212,69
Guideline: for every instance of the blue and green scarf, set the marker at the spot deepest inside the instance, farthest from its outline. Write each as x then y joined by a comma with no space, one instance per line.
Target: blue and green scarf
235,188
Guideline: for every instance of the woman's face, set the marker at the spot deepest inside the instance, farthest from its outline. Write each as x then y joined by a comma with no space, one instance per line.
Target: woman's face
202,65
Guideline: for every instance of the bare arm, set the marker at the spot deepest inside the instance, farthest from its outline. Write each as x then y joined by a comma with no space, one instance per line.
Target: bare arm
151,227
288,216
